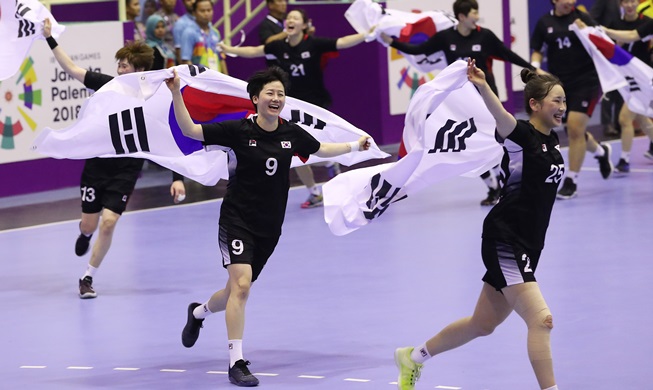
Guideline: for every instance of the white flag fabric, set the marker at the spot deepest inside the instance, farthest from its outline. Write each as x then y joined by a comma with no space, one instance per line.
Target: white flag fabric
133,116
448,132
609,77
405,26
21,22
635,75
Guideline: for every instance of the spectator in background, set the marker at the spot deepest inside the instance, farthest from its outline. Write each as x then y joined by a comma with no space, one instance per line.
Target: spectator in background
133,10
199,42
167,12
185,21
148,8
155,30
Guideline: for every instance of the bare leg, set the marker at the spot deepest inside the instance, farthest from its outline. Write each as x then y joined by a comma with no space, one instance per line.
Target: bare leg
305,173
89,223
491,310
576,126
528,302
626,118
240,281
104,238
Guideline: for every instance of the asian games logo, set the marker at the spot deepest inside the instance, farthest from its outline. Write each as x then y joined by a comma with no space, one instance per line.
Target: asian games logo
18,101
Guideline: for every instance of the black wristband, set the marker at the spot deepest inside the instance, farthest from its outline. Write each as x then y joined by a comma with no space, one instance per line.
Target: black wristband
51,42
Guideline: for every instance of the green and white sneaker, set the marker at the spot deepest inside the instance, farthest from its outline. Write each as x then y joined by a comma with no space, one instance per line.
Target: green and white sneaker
409,371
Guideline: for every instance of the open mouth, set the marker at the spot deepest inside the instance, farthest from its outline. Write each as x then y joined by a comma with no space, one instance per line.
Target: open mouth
274,107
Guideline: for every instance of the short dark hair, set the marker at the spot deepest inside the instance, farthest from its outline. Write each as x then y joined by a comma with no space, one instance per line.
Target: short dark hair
196,2
464,7
258,80
137,53
537,86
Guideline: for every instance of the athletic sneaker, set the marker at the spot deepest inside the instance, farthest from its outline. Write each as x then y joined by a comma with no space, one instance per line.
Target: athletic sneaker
82,244
605,164
622,167
493,195
333,170
86,288
568,189
192,329
313,201
649,152
239,374
409,371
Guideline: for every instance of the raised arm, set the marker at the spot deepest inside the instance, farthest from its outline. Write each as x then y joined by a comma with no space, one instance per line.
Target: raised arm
335,149
349,41
244,51
185,122
625,36
77,72
505,121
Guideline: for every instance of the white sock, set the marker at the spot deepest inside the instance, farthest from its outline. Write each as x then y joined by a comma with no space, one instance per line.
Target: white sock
599,152
552,388
315,190
235,351
90,271
420,354
625,156
202,311
491,181
573,176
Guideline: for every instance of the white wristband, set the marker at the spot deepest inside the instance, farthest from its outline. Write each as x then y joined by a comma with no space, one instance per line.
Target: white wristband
354,146
536,64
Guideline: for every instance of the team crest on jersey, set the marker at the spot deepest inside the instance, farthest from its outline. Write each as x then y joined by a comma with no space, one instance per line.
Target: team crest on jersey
285,144
544,148
557,147
286,56
476,47
252,142
549,30
124,198
306,54
452,47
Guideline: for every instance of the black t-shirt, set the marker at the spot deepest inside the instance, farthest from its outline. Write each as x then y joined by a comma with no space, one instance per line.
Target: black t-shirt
481,45
533,167
566,55
257,192
106,168
303,64
639,49
269,26
646,30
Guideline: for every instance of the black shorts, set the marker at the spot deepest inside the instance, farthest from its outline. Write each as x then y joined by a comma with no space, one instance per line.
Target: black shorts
108,184
239,246
507,264
582,98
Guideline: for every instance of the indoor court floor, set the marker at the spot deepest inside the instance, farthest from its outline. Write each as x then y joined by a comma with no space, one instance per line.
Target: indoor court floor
327,311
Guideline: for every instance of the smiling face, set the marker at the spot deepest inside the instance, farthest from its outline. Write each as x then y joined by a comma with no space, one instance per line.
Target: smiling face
271,100
563,7
551,109
630,8
295,23
469,21
125,67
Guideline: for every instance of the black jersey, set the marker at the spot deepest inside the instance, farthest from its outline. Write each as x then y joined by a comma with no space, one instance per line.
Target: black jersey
566,55
533,167
639,49
257,192
481,45
645,30
106,168
269,26
303,64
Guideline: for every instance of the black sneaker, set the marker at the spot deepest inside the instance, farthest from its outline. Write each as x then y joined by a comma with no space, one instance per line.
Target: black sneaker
493,195
605,164
192,329
86,288
649,152
622,167
568,189
82,244
239,374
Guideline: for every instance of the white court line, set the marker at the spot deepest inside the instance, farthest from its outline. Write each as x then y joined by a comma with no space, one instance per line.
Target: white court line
171,370
126,369
218,372
448,387
311,376
357,380
32,366
79,368
264,374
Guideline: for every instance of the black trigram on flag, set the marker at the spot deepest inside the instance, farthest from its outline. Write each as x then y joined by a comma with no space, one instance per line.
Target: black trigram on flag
126,134
632,84
25,27
196,69
383,193
452,138
296,117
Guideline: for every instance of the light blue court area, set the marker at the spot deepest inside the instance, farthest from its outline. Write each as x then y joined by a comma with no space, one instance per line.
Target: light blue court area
328,312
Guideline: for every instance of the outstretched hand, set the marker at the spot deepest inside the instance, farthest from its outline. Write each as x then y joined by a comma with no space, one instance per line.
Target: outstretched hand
364,143
47,28
173,83
581,25
474,74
